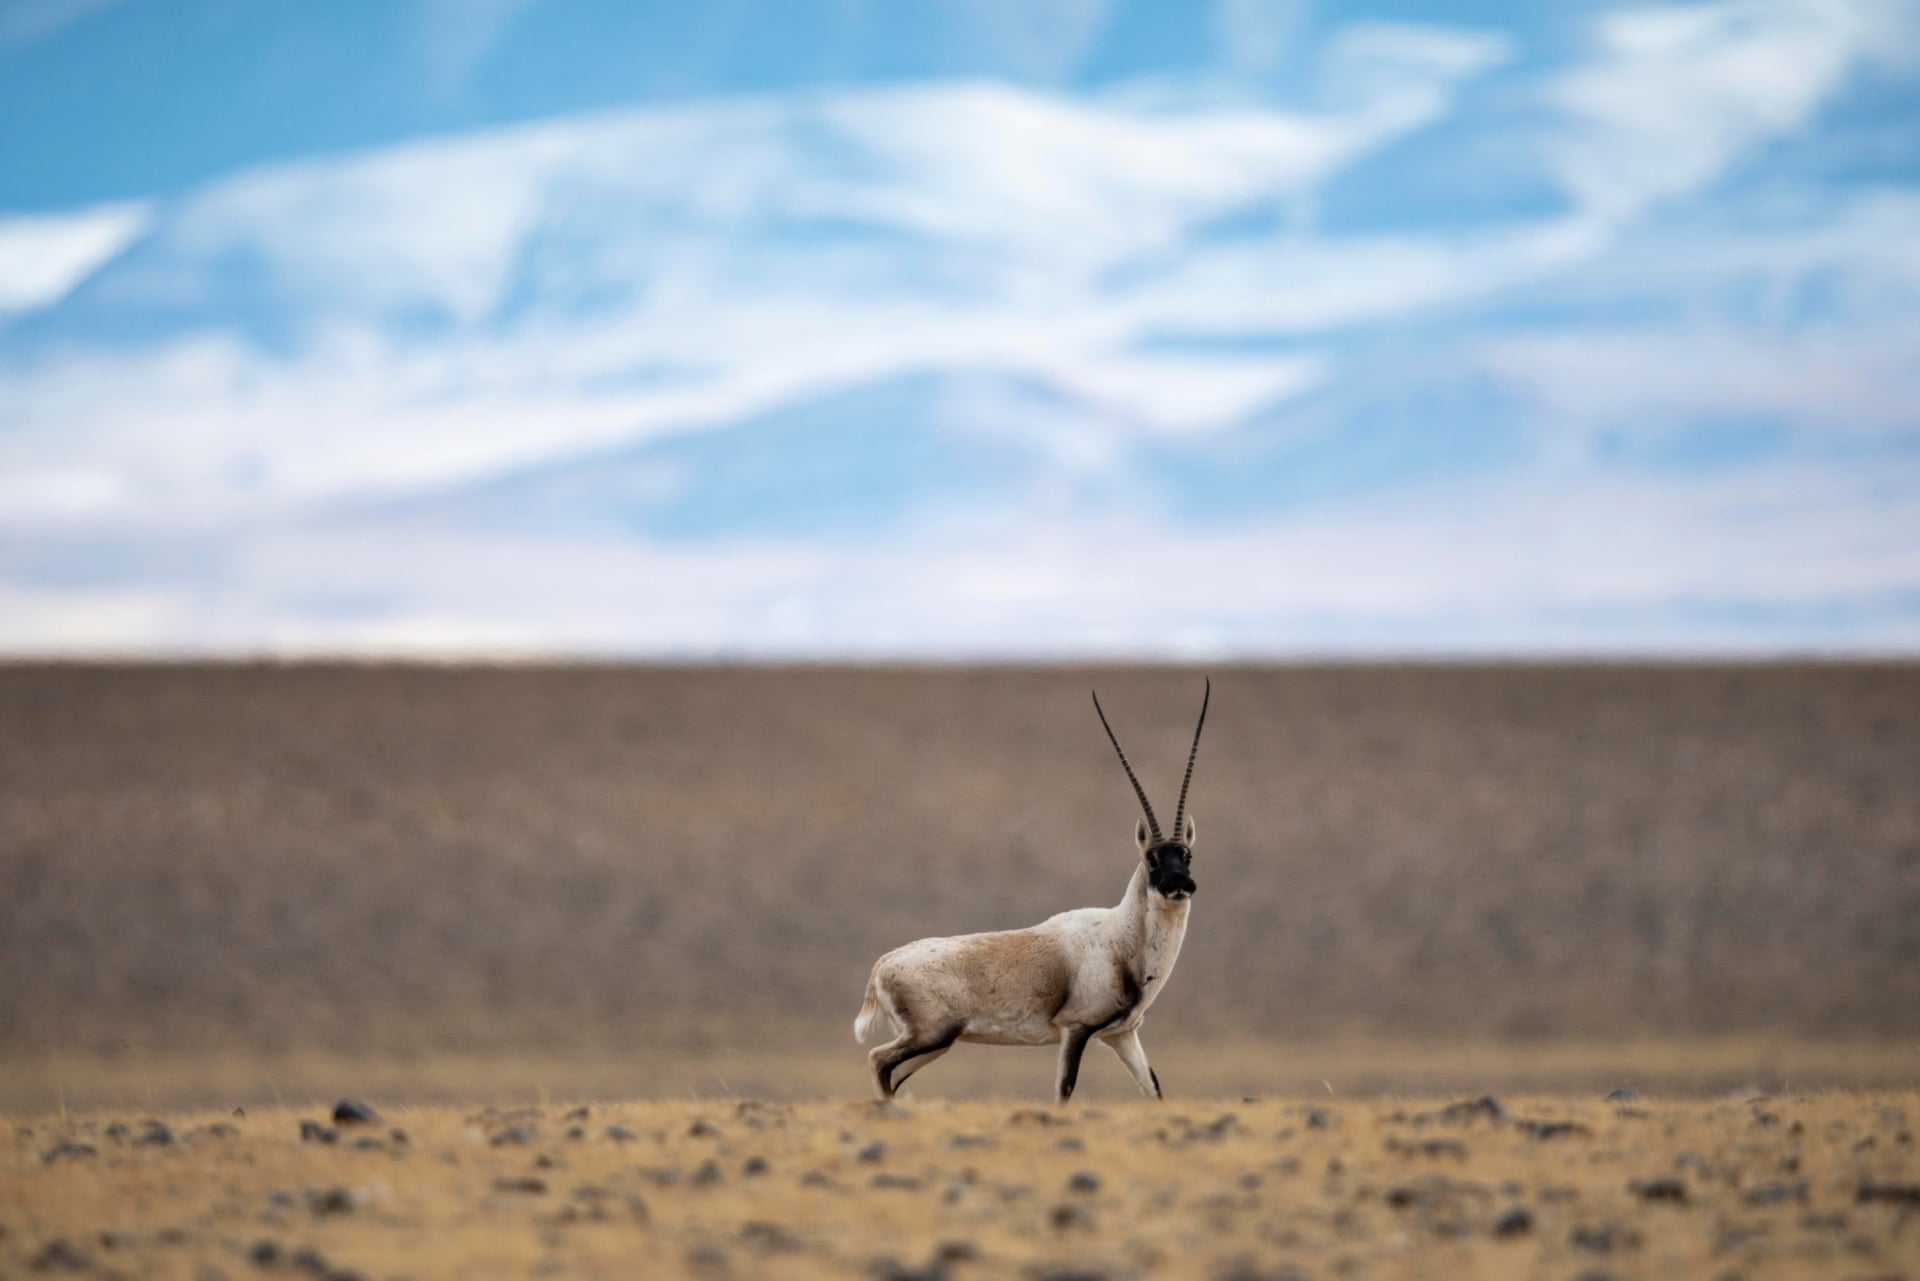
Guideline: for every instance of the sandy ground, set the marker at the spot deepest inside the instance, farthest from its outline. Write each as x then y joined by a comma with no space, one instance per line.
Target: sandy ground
1799,1185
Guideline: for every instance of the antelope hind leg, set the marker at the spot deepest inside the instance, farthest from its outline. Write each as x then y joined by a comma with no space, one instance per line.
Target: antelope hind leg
1134,1057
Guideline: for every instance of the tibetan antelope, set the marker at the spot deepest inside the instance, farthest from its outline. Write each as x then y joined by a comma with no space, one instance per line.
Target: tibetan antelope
1075,977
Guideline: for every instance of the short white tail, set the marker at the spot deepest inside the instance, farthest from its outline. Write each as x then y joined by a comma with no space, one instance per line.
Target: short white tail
868,1008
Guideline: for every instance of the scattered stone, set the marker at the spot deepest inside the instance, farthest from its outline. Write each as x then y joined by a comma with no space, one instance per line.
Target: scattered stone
398,1138
1428,1147
768,1238
156,1135
264,1254
325,1201
1775,1192
110,1240
514,1136
1604,1239
1067,1216
1661,1189
314,1132
580,1113
1321,1119
241,1113
576,1132
707,1175
1083,1181
703,1129
370,1143
874,1153
60,1255
1554,1129
621,1134
1072,1143
1894,1193
1516,1222
308,1259
970,1141
354,1112
522,1184
902,1182
709,1258
755,1166
1624,1095
68,1151
118,1132
1486,1107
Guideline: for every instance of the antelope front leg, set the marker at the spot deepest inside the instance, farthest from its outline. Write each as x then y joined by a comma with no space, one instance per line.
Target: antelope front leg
1073,1043
1134,1057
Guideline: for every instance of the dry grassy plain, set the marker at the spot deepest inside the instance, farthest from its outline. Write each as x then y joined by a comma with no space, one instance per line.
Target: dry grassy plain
1823,1185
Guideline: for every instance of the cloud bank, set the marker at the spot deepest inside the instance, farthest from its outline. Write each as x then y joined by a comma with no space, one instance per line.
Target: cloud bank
964,369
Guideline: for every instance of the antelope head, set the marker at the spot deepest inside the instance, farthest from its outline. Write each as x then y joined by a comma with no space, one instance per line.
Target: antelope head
1169,858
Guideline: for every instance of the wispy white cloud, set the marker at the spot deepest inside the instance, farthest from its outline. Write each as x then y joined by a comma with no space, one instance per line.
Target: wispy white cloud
1679,93
42,257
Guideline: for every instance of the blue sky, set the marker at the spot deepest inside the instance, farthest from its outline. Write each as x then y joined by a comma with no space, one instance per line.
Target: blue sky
995,328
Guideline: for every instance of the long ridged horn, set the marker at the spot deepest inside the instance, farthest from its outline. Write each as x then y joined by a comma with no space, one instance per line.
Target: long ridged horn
1153,824
1180,811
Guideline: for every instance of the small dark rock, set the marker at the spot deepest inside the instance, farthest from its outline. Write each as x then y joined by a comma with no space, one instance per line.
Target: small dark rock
756,1165
1516,1222
67,1152
621,1134
398,1138
1486,1107
307,1259
576,1132
264,1254
1661,1189
520,1183
1321,1119
1604,1239
1067,1216
970,1141
707,1175
60,1256
1894,1193
314,1132
156,1135
118,1241
1554,1129
514,1136
580,1113
354,1112
874,1153
325,1201
1624,1096
118,1132
1071,1143
703,1129
768,1238
370,1143
902,1182
1776,1192
1083,1181
707,1257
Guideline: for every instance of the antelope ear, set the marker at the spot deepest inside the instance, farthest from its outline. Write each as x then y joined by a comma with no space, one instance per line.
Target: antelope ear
1187,836
1140,834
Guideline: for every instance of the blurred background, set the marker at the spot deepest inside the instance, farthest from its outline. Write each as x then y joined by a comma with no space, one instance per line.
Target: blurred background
550,532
